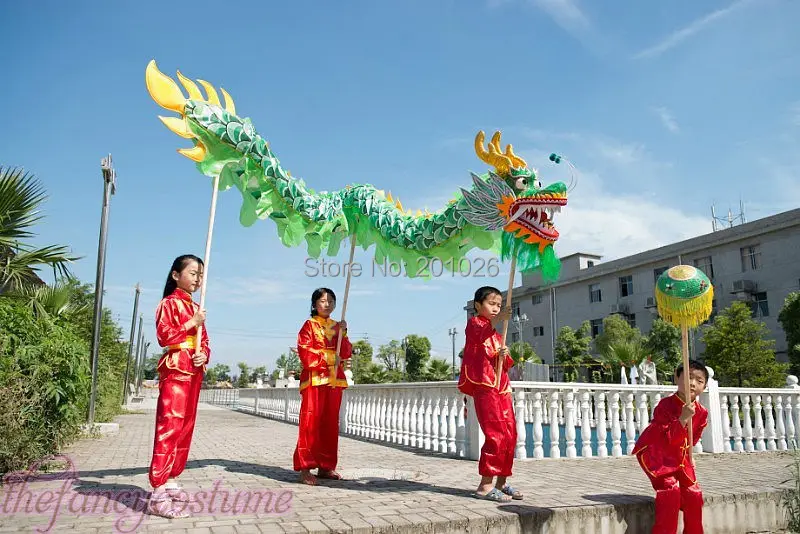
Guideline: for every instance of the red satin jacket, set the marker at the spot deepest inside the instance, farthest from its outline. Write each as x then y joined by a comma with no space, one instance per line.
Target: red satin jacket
316,347
172,313
480,357
662,447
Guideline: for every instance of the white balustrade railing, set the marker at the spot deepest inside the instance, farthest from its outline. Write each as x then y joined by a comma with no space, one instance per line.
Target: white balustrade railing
561,419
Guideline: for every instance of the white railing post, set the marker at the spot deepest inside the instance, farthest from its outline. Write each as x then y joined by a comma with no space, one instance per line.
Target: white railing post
712,435
475,437
286,405
519,415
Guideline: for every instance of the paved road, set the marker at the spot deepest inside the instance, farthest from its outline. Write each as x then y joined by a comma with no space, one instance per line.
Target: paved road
385,487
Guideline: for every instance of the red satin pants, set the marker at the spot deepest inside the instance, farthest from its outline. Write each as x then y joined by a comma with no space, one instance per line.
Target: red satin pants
175,418
318,437
495,413
678,492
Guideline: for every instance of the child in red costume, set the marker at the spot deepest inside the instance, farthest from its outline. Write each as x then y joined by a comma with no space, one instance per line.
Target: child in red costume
180,373
493,406
663,452
321,389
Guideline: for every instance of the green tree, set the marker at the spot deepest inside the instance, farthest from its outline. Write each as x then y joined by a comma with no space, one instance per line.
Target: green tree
391,356
290,362
789,317
522,352
244,375
211,378
149,370
259,371
362,358
112,350
438,371
373,373
21,196
417,353
616,330
737,351
663,343
220,372
573,349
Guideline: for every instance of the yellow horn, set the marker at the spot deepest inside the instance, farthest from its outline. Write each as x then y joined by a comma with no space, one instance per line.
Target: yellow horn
479,150
197,153
194,91
163,89
211,92
230,107
177,126
518,161
495,142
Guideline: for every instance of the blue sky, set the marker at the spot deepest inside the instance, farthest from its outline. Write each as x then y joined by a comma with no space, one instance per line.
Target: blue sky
665,108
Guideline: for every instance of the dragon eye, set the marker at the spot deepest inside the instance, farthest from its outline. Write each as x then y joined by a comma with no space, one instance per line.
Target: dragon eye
521,183
538,184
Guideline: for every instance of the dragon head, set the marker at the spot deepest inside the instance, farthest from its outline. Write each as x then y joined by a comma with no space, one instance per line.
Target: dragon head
513,197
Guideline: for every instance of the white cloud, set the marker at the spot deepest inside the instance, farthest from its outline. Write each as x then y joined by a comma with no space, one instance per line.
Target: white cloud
566,14
678,36
667,119
794,113
586,224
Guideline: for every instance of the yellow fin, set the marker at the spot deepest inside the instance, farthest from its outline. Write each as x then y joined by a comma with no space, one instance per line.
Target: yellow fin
191,87
196,153
177,126
230,107
163,89
211,92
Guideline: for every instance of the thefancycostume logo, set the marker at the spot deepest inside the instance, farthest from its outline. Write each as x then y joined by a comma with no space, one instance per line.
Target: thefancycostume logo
32,493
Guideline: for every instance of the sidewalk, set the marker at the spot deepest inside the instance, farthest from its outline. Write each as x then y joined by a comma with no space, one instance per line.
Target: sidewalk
386,489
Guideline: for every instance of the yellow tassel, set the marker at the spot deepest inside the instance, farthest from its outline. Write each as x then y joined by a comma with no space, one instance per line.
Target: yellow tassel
689,312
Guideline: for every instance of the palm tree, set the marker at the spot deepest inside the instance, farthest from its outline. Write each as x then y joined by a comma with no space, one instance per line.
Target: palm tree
438,371
21,196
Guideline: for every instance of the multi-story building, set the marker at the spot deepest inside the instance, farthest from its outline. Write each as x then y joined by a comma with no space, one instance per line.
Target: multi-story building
757,262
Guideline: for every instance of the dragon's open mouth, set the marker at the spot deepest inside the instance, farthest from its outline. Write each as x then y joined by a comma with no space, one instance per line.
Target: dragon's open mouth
535,214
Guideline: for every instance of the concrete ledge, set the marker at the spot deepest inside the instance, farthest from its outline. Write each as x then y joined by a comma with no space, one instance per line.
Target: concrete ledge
747,513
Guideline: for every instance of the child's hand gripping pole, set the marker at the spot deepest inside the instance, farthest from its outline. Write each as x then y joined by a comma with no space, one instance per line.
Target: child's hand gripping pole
206,261
344,303
501,358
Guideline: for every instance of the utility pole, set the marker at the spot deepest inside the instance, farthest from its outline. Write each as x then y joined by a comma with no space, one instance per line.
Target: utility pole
138,351
130,343
141,366
110,186
452,334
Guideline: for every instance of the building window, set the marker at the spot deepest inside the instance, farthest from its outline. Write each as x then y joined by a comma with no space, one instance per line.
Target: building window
515,310
538,331
590,263
705,265
597,327
658,272
537,299
760,305
751,258
594,293
631,318
514,337
625,286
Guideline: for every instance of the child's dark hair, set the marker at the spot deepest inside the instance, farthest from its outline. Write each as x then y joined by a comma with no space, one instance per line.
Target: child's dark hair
318,294
178,266
693,364
484,293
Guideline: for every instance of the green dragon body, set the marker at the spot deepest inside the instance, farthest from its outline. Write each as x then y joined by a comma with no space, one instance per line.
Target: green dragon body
507,211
